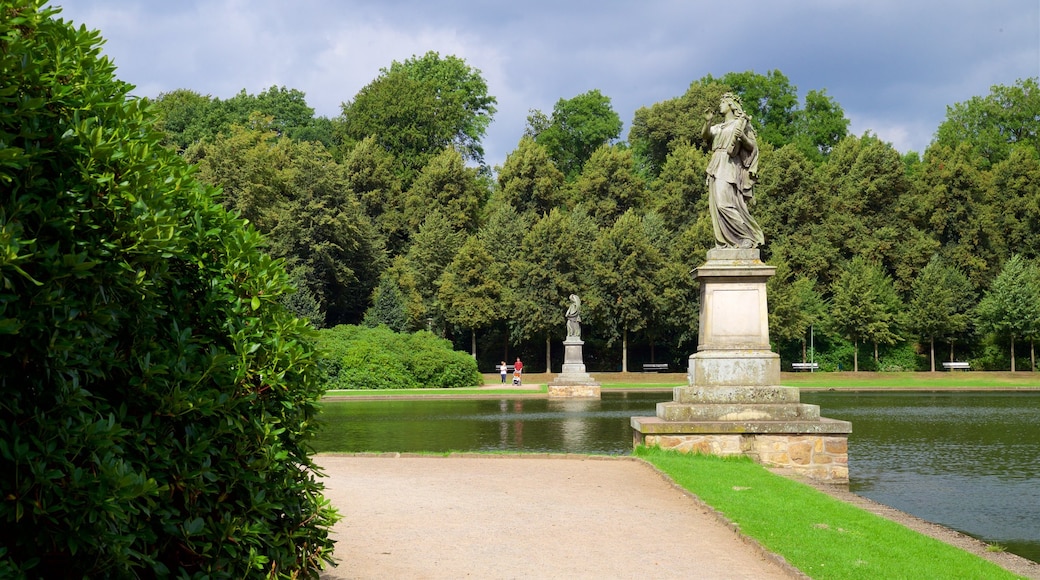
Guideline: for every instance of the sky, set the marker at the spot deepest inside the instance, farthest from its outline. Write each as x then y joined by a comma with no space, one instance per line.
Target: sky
894,66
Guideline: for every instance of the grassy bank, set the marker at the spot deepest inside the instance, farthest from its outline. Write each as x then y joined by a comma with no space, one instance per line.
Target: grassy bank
818,534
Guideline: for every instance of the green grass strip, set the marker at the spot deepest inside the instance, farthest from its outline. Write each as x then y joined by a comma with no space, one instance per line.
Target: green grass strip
820,535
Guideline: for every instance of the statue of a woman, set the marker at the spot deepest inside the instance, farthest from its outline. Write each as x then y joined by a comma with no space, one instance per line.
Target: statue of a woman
573,316
732,172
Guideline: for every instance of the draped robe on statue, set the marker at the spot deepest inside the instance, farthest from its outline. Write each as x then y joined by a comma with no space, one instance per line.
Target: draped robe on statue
731,175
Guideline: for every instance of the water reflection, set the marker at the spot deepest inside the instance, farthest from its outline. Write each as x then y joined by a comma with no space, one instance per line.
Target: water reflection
964,460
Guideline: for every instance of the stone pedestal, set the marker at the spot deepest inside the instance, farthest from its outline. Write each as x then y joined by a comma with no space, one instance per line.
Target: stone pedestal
734,404
573,381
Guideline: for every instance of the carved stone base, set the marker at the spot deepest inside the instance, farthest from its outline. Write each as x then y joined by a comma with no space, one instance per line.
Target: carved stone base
574,391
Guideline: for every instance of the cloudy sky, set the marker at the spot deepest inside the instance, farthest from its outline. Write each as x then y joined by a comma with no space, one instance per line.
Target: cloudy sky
893,65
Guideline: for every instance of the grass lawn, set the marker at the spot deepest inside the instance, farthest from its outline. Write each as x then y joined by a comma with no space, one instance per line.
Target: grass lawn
982,380
818,534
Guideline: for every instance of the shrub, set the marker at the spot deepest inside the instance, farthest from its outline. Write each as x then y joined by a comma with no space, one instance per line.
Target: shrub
155,398
379,358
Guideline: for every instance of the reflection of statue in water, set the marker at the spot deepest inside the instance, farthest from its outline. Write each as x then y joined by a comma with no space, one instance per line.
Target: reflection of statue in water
573,316
732,172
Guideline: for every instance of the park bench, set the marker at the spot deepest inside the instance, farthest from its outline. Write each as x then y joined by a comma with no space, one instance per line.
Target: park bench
655,367
805,366
955,366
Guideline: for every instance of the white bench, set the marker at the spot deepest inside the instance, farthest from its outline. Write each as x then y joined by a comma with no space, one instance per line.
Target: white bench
655,367
810,366
955,366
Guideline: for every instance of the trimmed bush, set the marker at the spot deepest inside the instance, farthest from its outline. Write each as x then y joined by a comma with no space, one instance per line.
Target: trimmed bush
379,358
155,398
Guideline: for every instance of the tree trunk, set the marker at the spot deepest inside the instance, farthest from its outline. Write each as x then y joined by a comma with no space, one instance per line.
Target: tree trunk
624,350
931,351
473,343
855,356
1032,354
803,351
548,354
1012,353
877,360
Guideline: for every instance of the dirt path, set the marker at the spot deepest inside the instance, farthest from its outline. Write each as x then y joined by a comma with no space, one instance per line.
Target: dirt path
527,517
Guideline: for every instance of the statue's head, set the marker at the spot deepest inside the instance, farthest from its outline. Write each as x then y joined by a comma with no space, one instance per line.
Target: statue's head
574,298
735,104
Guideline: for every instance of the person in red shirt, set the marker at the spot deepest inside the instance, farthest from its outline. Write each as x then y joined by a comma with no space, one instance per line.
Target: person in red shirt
518,368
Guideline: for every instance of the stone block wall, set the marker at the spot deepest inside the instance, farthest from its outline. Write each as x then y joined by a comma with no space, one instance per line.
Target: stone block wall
822,458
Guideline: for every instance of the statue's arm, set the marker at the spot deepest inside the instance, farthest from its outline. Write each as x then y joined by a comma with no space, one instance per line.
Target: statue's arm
706,128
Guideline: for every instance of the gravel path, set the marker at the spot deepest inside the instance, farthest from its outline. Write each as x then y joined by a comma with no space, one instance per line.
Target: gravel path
528,517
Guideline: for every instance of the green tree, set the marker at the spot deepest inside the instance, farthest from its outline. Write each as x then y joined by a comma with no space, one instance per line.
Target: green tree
448,186
368,170
1010,308
819,126
657,130
770,99
1014,188
992,125
553,264
432,251
529,181
793,305
940,304
948,202
577,128
157,398
859,309
295,193
675,193
388,305
624,266
608,185
418,107
470,290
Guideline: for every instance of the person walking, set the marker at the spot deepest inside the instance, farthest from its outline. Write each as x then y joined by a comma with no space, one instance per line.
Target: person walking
502,368
518,368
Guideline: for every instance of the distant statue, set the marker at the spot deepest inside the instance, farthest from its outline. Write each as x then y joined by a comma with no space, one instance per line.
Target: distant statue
732,173
573,316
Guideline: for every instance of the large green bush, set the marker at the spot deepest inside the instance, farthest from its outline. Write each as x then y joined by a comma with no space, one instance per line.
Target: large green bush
378,358
155,397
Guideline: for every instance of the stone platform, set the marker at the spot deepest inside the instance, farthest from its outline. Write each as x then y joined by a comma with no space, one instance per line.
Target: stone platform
734,404
573,381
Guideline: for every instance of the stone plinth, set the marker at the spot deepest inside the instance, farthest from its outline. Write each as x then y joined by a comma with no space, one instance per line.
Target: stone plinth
573,381
734,404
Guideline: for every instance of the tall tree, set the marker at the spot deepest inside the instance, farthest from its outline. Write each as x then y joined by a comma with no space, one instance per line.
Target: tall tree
1010,308
470,290
858,308
992,125
940,304
553,264
625,265
608,185
770,99
418,107
948,201
577,128
446,185
295,193
675,193
529,181
1014,188
432,251
819,126
368,170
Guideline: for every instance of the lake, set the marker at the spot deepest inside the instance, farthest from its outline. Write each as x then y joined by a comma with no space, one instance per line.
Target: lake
967,461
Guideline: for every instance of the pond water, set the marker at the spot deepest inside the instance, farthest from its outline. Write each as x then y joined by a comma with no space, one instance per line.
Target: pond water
967,461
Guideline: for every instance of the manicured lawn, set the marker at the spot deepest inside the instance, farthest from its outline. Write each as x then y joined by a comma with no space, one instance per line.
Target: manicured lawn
818,534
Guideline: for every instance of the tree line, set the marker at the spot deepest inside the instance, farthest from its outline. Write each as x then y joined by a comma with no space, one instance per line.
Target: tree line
388,214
